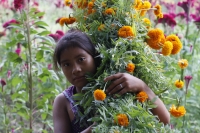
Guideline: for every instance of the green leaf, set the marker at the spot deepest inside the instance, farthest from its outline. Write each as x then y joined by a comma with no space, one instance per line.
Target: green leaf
11,43
13,57
44,33
40,23
16,80
20,36
78,96
44,115
39,55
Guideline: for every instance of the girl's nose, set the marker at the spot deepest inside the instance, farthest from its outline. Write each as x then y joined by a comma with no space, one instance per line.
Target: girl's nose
76,69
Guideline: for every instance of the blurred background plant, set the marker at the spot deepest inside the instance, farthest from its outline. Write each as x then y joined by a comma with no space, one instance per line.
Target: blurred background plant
29,84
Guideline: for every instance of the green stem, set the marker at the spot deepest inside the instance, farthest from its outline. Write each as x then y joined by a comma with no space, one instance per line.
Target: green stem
195,42
4,112
29,66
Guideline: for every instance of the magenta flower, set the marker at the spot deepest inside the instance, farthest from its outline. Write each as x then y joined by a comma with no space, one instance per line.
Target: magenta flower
12,21
57,21
184,5
57,35
168,19
18,4
187,80
18,51
8,74
3,83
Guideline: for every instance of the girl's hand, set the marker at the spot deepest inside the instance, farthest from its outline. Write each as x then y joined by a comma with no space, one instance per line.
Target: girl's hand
122,83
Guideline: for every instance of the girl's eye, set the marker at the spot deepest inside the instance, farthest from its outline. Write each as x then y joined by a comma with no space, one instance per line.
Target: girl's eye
65,64
81,59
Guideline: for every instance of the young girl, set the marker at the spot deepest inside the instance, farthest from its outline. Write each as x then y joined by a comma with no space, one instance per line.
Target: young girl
75,54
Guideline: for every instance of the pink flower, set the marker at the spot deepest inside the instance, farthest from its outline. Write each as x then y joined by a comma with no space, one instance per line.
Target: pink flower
8,74
187,80
49,66
12,21
18,4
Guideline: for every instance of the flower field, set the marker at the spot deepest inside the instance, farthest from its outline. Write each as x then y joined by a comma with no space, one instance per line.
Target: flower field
158,41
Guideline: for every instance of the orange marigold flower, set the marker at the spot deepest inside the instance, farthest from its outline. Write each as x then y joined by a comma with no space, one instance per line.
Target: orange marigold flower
156,38
183,63
177,45
142,96
101,27
110,11
177,111
122,120
99,95
130,67
62,21
158,11
179,84
167,48
68,2
90,5
125,31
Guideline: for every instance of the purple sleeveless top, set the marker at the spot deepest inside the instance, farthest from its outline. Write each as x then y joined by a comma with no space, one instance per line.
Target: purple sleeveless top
69,92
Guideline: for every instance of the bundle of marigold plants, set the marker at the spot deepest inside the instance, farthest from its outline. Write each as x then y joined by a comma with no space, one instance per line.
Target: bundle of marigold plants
127,43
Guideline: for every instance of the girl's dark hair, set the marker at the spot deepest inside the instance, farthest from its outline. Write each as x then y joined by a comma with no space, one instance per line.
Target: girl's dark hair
74,38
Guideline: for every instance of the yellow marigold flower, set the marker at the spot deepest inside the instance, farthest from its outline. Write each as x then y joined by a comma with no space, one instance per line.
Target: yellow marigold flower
167,48
156,38
110,11
122,120
99,95
125,31
68,2
136,4
143,7
101,27
183,63
179,84
82,4
147,22
177,111
130,67
142,96
103,4
90,5
177,45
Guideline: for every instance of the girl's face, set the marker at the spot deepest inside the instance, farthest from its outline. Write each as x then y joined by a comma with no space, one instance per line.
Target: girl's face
75,64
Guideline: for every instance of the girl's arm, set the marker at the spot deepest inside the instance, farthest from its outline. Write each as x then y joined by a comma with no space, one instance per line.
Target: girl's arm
61,117
124,82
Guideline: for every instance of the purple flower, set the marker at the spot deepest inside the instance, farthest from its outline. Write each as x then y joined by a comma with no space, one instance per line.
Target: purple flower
12,21
185,6
187,80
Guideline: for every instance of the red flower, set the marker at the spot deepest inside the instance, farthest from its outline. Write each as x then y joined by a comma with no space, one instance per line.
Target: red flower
3,83
18,4
12,21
